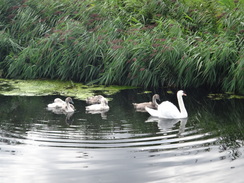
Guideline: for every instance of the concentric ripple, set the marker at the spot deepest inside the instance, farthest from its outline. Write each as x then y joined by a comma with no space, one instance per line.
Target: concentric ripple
74,137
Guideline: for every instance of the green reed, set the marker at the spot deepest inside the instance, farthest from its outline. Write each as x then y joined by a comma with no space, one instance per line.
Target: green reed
140,42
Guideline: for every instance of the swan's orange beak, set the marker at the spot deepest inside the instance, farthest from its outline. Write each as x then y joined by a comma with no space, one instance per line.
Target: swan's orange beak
184,94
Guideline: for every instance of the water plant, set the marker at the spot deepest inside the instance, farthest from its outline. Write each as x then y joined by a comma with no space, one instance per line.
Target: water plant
10,87
139,43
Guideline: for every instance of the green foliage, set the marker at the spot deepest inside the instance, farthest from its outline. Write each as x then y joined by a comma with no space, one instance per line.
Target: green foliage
139,43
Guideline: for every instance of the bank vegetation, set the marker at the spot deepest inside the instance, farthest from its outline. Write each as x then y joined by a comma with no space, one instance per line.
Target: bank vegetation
148,43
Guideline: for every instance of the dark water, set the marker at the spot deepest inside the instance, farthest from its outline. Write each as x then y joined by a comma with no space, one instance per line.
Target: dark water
122,145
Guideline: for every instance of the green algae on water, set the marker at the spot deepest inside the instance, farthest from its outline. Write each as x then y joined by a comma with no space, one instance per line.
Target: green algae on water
10,87
222,96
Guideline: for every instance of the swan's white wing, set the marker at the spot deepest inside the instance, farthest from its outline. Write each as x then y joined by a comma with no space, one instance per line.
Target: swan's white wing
55,110
55,105
58,103
152,112
92,107
58,100
168,110
96,107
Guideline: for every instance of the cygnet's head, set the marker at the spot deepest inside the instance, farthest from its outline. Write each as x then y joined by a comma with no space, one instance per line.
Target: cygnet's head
156,96
69,100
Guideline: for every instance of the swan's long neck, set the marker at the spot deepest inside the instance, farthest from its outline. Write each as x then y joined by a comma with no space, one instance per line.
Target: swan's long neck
182,106
154,101
67,105
103,103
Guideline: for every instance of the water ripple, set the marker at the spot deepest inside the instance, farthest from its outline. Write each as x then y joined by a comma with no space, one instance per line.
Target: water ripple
73,138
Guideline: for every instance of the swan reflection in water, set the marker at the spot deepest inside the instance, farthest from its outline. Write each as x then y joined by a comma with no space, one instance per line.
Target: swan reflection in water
102,112
68,115
167,124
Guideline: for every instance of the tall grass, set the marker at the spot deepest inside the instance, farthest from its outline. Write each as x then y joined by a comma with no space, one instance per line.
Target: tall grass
140,42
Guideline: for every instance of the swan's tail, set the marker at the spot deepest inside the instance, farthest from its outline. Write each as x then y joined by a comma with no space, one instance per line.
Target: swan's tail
152,112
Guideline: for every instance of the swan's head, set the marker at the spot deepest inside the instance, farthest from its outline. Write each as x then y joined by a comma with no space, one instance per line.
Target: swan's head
69,100
181,93
156,96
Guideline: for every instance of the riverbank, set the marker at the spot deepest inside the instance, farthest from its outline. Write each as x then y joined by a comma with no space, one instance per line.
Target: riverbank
135,43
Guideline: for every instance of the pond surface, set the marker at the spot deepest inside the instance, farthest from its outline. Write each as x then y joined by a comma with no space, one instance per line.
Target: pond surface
122,145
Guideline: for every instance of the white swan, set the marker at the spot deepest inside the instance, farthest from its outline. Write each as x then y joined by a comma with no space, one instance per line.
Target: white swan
168,110
153,104
61,105
99,107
